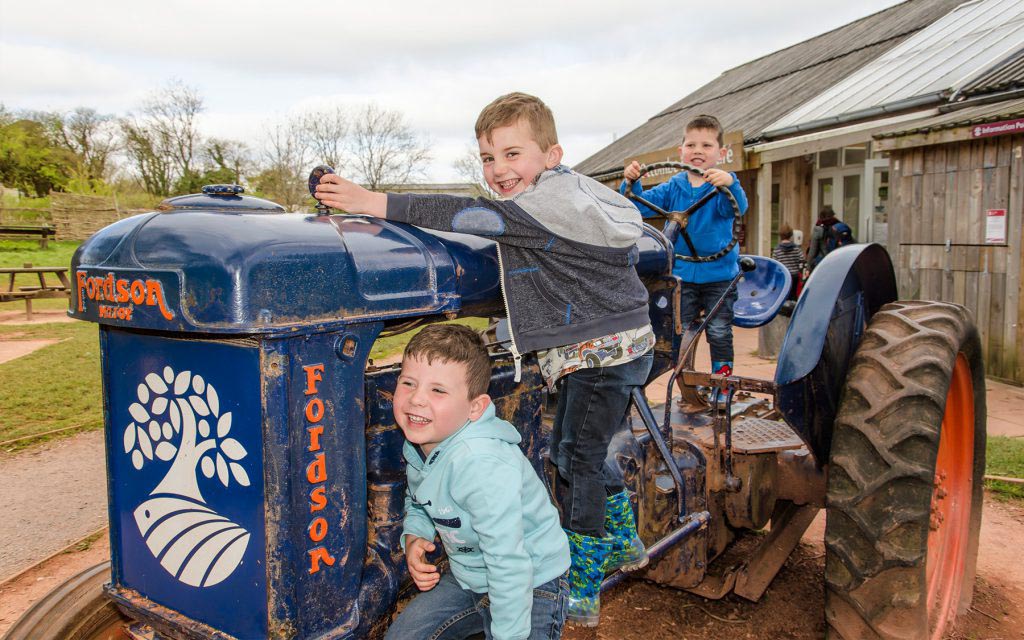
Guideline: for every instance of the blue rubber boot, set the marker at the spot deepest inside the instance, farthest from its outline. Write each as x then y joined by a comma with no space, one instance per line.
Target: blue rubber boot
627,550
586,572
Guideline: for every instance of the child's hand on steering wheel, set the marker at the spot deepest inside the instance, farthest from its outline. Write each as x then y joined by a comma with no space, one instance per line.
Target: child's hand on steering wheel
632,172
717,177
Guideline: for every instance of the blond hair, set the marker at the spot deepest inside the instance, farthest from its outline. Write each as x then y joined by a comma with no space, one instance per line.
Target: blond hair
506,110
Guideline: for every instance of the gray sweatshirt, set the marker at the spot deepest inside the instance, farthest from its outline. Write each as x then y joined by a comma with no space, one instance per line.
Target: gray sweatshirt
566,248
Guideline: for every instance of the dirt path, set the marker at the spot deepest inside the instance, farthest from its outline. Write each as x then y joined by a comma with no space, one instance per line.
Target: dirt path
793,604
790,609
42,514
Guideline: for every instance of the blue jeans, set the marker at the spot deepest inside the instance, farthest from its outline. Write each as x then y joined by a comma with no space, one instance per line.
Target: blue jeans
695,297
449,612
592,405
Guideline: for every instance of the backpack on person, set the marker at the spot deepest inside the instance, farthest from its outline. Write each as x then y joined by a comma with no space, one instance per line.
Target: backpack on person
838,235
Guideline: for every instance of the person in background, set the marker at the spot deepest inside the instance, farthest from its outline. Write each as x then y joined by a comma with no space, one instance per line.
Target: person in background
829,234
791,256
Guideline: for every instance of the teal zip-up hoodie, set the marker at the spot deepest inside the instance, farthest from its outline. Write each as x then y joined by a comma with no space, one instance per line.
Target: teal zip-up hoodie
480,494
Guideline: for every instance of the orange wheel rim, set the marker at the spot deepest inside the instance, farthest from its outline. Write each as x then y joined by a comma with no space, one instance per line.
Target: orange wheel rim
949,523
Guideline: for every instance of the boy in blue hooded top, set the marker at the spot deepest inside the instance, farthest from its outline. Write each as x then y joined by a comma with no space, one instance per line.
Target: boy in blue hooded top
710,228
471,485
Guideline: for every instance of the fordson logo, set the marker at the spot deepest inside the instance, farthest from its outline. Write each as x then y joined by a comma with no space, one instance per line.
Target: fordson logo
177,419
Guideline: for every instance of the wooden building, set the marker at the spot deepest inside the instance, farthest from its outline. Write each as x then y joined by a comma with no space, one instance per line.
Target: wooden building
880,119
956,225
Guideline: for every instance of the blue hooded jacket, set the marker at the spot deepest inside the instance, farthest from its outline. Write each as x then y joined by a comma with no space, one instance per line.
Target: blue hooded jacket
710,227
478,491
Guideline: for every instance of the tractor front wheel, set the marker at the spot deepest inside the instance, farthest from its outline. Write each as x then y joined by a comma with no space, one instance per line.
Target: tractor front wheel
76,610
905,476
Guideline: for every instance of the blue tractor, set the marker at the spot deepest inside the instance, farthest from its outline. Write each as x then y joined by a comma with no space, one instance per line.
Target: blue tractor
254,470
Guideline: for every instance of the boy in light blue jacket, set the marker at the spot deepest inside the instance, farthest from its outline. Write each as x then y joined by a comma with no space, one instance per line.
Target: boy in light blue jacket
471,485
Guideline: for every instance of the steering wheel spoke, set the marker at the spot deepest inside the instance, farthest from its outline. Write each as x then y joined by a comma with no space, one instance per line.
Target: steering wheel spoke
677,221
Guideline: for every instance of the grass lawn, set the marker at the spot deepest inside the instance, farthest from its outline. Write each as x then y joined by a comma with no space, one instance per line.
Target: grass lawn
59,386
1005,457
55,387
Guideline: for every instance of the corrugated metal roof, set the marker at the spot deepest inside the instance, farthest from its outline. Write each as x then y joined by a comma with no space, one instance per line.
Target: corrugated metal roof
755,94
935,63
1007,75
980,114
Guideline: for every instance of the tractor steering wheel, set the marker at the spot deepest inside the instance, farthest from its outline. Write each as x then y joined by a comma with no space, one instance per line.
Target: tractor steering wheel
677,221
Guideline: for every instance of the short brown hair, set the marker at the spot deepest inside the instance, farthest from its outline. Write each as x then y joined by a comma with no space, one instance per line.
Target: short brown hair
509,108
454,343
785,231
710,123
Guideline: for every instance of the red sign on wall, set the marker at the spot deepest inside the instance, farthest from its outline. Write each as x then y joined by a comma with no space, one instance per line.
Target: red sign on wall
998,128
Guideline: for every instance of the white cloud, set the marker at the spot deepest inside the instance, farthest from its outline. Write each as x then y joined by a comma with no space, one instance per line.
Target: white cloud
604,67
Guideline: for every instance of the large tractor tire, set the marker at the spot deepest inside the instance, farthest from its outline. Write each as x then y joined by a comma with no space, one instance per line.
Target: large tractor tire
905,476
76,610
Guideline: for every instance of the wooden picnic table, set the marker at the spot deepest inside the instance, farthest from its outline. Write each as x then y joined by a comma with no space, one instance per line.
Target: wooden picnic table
44,232
51,289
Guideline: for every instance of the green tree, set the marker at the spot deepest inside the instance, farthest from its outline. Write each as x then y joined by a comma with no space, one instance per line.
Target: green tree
29,161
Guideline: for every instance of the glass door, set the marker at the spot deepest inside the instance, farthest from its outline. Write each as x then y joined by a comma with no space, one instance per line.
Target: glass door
877,173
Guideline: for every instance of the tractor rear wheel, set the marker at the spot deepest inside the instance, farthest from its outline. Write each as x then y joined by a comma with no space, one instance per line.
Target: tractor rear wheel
905,476
76,610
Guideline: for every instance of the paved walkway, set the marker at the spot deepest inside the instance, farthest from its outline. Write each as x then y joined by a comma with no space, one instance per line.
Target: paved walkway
56,493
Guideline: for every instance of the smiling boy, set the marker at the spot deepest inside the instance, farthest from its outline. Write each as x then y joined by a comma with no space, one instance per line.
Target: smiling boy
469,483
710,229
566,256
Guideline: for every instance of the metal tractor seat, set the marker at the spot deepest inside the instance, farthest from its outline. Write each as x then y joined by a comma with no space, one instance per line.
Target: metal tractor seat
760,293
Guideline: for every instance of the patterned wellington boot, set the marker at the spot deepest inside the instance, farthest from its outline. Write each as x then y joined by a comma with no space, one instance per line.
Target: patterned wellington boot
627,549
722,368
585,575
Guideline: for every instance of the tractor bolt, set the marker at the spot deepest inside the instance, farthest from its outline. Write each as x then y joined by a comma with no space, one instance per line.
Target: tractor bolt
940,493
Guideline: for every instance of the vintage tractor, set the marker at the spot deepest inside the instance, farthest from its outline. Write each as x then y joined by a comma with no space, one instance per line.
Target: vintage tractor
254,470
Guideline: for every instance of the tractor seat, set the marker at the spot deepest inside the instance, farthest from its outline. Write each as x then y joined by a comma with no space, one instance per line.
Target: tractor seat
760,293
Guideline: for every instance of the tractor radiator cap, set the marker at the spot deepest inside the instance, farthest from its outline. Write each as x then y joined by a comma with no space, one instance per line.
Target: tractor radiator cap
221,197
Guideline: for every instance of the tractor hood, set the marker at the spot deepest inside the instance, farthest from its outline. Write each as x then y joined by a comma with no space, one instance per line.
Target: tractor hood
227,263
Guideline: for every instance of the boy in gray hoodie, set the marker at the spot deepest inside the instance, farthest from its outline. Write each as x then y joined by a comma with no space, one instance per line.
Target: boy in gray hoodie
470,484
566,253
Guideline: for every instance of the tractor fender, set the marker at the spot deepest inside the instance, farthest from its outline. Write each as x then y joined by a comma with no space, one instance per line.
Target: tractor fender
842,294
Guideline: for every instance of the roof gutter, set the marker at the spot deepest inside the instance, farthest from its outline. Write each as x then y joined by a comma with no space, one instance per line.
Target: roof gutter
863,114
988,98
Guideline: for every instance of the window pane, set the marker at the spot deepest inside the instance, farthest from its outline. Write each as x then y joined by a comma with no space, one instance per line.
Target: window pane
851,204
854,155
829,158
775,213
824,194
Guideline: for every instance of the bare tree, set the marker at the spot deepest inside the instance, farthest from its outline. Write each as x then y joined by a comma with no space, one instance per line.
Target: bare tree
171,113
470,169
385,149
89,135
286,158
325,131
149,155
226,160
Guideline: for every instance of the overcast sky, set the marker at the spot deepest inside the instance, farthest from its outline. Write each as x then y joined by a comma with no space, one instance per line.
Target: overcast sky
602,67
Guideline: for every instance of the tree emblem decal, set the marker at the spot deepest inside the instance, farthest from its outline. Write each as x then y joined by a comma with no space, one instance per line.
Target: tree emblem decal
177,418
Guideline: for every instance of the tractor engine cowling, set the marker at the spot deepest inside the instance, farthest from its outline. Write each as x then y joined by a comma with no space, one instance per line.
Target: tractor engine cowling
253,463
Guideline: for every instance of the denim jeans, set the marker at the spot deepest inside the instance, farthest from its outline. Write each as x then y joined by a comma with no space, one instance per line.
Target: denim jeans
693,298
592,405
449,612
